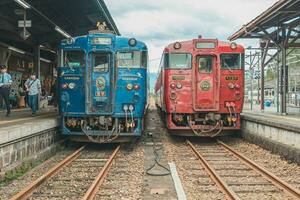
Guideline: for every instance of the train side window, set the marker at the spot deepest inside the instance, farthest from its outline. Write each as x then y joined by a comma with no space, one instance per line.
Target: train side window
74,58
205,64
231,61
101,62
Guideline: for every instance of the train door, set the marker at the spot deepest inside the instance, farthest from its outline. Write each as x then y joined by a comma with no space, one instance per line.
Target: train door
206,96
101,83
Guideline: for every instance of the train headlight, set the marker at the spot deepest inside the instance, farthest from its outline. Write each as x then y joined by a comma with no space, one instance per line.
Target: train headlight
72,86
132,42
230,85
233,45
179,85
136,87
70,40
172,85
173,96
129,86
177,45
64,86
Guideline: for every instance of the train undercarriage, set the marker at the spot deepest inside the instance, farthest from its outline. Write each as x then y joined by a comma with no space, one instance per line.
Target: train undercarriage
208,124
102,129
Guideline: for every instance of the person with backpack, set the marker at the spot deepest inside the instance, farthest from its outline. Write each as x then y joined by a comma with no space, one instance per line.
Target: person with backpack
33,89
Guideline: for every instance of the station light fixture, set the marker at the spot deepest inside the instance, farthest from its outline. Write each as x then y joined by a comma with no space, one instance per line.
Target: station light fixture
45,60
23,4
16,50
62,32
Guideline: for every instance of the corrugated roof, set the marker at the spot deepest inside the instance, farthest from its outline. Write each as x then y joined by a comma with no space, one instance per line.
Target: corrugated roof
283,12
76,17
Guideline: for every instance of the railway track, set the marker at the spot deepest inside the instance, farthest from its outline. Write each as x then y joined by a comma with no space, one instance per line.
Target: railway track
237,177
78,176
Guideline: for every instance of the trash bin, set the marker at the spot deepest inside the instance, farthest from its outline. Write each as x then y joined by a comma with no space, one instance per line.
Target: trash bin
268,103
21,101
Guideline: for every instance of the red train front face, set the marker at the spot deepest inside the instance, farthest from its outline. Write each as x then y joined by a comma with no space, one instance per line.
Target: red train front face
201,86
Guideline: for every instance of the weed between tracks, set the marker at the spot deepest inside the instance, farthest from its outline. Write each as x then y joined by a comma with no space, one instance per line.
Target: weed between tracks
18,172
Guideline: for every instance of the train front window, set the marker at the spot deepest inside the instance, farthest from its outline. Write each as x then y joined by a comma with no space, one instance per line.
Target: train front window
205,64
130,59
231,61
178,61
101,62
74,58
144,59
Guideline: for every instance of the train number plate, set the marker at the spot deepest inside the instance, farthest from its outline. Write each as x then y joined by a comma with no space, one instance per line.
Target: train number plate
231,78
178,78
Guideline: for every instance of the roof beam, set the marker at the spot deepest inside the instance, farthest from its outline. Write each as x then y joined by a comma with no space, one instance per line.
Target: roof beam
270,37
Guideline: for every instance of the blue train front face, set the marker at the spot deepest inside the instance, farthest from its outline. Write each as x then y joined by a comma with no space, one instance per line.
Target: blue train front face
102,87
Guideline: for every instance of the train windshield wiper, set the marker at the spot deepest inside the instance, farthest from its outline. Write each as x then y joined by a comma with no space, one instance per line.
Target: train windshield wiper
227,66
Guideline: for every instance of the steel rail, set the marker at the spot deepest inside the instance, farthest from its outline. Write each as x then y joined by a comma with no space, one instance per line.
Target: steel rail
25,193
230,195
265,173
93,189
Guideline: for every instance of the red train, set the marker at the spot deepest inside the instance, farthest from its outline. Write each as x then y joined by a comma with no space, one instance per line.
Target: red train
200,87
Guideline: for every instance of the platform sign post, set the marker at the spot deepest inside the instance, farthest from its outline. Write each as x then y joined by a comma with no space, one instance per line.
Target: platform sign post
24,24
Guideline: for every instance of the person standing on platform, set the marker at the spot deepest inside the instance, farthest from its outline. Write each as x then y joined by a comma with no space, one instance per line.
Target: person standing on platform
5,83
33,88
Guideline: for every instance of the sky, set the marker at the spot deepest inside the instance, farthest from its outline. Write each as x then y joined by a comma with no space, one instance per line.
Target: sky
160,22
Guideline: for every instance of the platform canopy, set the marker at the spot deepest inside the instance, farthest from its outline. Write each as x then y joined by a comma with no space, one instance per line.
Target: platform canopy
49,21
279,27
285,14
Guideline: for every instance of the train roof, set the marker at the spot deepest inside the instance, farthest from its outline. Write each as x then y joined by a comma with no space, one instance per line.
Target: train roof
120,41
204,45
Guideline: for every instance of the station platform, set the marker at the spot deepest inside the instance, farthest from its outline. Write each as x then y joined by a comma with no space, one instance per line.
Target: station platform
286,122
275,132
23,136
19,116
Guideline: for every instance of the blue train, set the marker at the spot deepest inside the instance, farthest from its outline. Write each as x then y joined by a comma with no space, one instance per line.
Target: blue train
103,87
